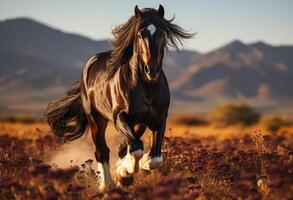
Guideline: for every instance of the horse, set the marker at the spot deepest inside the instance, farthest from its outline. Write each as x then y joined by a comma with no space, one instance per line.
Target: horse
127,86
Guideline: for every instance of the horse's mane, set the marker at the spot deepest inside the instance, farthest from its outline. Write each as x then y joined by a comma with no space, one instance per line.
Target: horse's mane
125,34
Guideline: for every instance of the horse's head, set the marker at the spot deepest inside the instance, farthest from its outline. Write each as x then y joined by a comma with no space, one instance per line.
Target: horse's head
144,36
150,42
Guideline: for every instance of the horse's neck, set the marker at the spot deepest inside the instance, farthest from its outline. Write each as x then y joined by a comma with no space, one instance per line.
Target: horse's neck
126,77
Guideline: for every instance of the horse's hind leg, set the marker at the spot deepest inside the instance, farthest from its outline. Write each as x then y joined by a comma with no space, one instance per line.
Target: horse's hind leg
98,126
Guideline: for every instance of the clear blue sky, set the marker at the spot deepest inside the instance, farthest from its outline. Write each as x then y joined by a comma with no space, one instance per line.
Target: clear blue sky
216,21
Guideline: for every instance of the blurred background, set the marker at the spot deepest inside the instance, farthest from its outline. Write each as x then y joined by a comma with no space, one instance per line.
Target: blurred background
241,56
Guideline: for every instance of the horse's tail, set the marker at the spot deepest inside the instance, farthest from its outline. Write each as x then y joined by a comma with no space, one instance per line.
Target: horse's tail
66,116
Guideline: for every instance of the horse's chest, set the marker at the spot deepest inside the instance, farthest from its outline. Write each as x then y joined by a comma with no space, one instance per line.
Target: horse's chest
149,105
146,112
144,109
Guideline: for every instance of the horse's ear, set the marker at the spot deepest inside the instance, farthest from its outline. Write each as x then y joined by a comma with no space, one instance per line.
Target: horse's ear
161,11
137,12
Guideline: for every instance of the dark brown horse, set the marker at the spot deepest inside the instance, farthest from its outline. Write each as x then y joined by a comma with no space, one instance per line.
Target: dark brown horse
127,86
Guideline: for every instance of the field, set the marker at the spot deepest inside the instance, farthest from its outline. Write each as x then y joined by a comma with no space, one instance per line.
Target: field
201,161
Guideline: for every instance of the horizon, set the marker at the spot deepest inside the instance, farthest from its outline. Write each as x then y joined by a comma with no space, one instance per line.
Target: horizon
104,39
229,21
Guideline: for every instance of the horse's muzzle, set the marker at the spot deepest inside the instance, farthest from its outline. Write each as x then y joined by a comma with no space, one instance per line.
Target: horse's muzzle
152,71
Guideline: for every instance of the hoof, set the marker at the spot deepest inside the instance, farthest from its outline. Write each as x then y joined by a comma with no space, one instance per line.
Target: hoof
105,180
147,163
129,165
105,188
137,154
125,181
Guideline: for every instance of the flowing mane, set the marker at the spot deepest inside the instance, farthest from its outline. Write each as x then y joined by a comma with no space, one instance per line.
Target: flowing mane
124,36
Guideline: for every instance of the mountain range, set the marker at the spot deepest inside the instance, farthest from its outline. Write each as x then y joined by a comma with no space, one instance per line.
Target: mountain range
38,62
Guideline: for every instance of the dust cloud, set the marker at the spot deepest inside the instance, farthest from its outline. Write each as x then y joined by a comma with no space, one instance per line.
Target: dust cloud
78,151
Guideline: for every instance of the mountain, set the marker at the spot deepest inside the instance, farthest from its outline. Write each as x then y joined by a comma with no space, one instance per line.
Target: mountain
38,56
30,38
238,71
176,62
38,62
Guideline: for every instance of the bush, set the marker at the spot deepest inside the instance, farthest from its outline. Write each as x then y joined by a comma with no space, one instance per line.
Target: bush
190,120
274,123
231,114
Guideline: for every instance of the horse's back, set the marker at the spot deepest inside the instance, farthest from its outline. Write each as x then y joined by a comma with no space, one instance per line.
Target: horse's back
96,67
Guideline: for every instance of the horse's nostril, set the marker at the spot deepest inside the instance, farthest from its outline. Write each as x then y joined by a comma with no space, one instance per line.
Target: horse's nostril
147,69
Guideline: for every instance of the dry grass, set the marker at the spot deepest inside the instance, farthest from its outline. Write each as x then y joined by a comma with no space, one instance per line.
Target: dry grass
22,118
24,130
200,162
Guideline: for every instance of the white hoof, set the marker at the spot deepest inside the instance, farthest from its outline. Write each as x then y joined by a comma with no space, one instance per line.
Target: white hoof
105,180
127,166
148,163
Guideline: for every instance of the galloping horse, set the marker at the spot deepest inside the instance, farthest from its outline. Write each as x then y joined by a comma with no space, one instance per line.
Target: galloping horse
126,85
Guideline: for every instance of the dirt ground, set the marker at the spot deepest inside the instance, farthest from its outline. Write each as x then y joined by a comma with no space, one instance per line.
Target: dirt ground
200,162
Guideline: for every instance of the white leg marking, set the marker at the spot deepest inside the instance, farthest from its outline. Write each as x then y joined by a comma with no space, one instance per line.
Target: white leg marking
129,164
105,176
148,163
152,29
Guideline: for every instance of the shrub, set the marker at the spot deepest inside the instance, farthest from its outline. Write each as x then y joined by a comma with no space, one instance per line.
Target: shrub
231,114
190,120
274,123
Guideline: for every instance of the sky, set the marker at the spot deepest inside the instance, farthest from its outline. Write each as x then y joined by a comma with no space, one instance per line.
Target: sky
216,22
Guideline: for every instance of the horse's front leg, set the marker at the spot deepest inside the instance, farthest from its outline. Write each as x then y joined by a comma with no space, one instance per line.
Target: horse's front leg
130,152
154,158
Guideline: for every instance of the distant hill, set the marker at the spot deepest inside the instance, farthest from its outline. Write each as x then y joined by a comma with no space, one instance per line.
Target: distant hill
43,55
37,62
30,38
257,73
240,70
